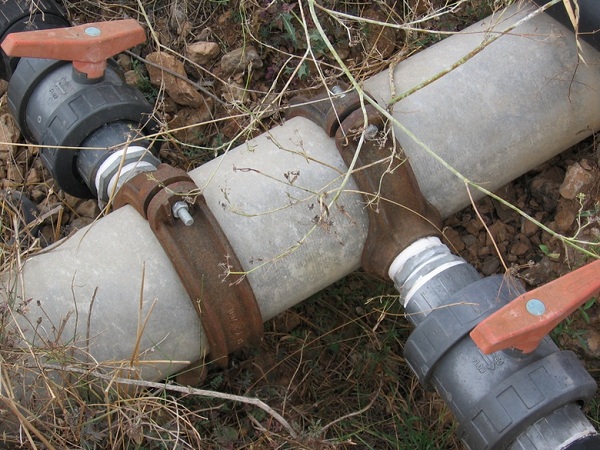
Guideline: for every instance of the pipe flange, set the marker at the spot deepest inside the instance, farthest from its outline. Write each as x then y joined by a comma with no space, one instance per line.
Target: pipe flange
398,212
443,328
201,255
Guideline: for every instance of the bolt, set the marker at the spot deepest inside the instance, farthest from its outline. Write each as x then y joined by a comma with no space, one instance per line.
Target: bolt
337,90
93,31
181,210
371,132
536,307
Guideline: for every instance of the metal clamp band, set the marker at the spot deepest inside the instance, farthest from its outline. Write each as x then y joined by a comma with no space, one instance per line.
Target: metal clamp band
201,255
398,212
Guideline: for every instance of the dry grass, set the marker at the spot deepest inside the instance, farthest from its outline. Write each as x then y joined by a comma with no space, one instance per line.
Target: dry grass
329,371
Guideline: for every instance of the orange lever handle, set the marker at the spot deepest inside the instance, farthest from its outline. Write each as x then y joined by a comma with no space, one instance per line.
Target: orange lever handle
87,46
524,322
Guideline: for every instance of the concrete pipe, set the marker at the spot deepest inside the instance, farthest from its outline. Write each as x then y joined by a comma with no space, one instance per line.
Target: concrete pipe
516,104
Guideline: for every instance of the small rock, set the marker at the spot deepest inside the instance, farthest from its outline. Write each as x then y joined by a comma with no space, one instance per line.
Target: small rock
124,62
540,273
528,228
203,53
507,193
545,187
490,266
474,226
79,223
178,89
70,201
190,123
519,249
593,342
9,134
484,251
469,239
239,59
454,240
499,232
46,235
577,180
566,213
14,173
34,177
381,40
88,208
234,93
37,195
132,77
522,246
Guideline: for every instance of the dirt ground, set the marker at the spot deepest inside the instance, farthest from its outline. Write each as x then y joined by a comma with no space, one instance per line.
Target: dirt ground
333,366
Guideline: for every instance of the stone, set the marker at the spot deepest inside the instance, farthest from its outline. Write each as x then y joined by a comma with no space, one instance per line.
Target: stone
34,177
88,208
545,187
482,252
203,53
37,195
381,40
234,93
469,239
540,273
593,342
577,180
181,91
474,226
504,213
499,232
519,249
521,246
9,134
124,62
528,228
240,59
566,214
79,223
189,124
132,77
453,239
490,266
14,173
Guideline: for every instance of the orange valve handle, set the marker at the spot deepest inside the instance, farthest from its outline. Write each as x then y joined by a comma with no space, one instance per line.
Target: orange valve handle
87,46
524,322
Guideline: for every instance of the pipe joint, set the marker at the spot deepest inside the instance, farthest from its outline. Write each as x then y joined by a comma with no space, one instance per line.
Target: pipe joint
398,212
195,244
497,398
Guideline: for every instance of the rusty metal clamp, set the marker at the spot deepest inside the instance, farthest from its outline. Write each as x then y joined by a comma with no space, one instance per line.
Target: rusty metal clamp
200,254
398,212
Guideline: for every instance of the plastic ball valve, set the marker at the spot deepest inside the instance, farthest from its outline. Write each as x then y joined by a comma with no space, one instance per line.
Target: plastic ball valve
67,97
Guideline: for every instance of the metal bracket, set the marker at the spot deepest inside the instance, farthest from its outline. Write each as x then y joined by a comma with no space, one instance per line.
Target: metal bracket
201,255
398,212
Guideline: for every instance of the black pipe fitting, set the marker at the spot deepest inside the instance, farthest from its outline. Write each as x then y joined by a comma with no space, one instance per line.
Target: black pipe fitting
55,110
55,107
507,399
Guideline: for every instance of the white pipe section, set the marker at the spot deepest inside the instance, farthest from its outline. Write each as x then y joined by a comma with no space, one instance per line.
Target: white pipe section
516,104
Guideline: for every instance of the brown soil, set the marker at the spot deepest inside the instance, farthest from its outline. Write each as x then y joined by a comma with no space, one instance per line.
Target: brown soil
337,353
